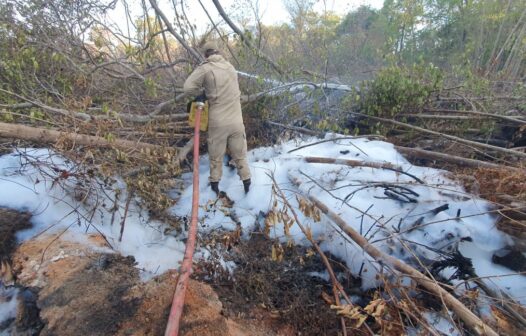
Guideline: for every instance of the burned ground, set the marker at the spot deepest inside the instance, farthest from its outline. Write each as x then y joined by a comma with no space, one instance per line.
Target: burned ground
95,301
288,289
11,221
27,321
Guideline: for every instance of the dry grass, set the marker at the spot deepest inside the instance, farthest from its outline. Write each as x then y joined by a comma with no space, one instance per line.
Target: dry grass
493,183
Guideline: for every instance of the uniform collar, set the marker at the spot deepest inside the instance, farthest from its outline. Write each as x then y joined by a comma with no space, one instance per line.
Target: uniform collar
215,58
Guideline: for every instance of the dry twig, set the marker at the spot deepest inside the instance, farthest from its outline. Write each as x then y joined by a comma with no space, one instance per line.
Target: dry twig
471,320
337,287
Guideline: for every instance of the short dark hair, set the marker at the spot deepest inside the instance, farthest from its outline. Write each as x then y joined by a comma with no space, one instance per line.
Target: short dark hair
210,52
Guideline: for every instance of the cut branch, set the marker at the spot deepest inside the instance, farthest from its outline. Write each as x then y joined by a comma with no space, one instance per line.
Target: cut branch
336,286
503,300
429,155
183,152
86,117
51,109
127,207
447,136
51,136
469,318
478,113
356,163
17,106
368,136
297,129
437,117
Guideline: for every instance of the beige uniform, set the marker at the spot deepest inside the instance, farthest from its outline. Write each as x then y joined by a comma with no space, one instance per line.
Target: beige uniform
218,78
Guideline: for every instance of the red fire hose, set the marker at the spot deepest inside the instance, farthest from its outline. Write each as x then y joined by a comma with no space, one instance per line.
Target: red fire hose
172,329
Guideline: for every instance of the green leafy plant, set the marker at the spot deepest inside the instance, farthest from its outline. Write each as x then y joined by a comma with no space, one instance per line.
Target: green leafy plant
398,90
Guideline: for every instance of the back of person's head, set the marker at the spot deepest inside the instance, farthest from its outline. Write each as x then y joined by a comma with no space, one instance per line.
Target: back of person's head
210,48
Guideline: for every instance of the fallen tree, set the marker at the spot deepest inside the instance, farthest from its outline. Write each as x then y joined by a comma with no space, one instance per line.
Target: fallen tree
337,288
246,41
50,136
501,150
416,153
356,163
478,113
154,115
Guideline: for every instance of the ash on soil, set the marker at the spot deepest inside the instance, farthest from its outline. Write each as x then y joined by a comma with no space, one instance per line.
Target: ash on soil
287,289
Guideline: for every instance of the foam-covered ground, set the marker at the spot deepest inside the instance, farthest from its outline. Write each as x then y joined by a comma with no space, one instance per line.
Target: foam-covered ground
34,180
358,194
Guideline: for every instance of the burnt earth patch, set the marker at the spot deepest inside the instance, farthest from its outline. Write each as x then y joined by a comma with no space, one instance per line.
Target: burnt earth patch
96,300
289,290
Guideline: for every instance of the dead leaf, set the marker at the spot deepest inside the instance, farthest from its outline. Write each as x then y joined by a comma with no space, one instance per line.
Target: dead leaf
6,273
327,298
376,308
352,313
277,252
505,326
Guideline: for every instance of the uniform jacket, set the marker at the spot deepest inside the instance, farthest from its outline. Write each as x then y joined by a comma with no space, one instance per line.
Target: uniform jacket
219,80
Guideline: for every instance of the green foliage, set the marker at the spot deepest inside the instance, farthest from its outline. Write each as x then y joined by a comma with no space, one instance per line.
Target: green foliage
471,81
151,88
36,114
484,37
398,90
24,65
7,117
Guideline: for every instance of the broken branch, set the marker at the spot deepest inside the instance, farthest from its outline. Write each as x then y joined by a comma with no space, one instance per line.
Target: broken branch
356,163
335,283
46,135
425,154
471,320
447,136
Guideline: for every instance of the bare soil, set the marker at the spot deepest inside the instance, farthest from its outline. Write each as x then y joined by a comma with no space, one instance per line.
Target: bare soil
81,291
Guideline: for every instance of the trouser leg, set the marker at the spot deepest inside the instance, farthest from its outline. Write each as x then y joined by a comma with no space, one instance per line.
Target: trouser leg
217,142
237,146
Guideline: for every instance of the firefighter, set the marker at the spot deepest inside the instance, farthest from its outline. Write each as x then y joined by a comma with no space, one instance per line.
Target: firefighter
226,131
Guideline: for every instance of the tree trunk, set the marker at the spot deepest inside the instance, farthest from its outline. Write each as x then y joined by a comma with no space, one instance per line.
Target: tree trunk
356,163
497,40
171,29
508,39
49,136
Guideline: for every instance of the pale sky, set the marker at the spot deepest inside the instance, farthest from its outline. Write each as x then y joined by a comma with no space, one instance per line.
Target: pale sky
271,11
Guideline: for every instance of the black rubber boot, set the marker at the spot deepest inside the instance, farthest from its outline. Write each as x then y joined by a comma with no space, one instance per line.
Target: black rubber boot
215,187
246,185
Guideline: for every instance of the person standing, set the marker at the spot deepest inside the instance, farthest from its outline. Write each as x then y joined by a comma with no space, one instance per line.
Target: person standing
226,131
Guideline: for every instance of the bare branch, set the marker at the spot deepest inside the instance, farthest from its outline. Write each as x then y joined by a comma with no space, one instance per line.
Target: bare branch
424,154
247,42
197,57
471,320
447,136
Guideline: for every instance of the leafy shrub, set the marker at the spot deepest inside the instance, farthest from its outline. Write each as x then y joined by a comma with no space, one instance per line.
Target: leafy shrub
398,90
